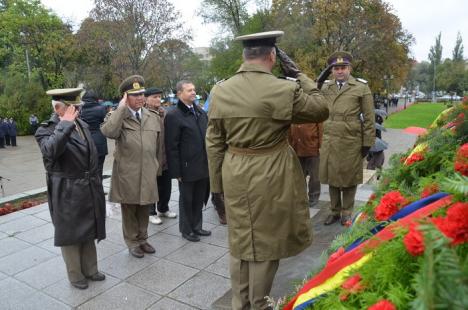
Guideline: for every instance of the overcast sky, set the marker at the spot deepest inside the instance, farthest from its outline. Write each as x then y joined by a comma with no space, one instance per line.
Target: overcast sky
423,18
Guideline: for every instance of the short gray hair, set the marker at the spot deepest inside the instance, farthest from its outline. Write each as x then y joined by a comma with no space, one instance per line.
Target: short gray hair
180,85
255,52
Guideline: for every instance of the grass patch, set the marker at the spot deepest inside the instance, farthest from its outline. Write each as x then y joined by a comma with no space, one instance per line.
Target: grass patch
418,115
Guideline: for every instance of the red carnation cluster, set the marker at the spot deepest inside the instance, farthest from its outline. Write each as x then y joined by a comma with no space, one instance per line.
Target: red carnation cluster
429,190
461,160
336,255
455,224
351,286
415,157
414,241
390,204
382,305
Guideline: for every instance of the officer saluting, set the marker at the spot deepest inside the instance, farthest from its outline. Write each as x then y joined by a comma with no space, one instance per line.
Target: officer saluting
251,162
76,197
348,135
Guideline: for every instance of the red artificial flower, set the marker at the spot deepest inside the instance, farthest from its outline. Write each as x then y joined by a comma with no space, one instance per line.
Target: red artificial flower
462,168
390,204
382,305
455,224
336,255
351,286
429,190
463,151
414,241
415,157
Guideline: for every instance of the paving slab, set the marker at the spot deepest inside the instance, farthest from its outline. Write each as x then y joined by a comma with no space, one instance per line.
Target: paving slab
49,246
43,215
202,290
10,245
11,217
219,236
13,292
44,274
171,304
122,265
221,266
71,296
24,259
39,300
165,244
37,234
162,277
36,209
123,296
106,248
197,254
21,224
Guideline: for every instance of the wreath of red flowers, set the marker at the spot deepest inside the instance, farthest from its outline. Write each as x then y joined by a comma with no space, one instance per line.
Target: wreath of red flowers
382,305
414,241
455,224
390,204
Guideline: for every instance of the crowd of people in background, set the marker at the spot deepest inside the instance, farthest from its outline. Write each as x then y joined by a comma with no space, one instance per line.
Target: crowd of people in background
8,132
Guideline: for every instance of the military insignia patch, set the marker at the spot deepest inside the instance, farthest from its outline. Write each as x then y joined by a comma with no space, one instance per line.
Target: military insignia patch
339,60
136,85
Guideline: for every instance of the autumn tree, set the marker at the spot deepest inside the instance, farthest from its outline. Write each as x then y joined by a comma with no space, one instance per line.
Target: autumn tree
136,28
229,14
457,54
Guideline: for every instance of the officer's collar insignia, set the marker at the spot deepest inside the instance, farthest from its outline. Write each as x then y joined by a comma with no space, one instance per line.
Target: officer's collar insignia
136,85
339,60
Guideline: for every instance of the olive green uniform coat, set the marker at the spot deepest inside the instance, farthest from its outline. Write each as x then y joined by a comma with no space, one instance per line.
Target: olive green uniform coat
265,194
137,154
341,162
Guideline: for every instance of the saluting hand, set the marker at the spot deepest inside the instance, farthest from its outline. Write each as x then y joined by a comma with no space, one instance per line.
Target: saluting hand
71,113
123,102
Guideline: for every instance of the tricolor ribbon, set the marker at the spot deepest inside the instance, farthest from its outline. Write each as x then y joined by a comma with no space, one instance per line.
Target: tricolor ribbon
359,252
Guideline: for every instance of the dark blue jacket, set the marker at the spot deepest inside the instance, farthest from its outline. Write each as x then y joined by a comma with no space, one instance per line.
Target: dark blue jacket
12,129
3,129
93,114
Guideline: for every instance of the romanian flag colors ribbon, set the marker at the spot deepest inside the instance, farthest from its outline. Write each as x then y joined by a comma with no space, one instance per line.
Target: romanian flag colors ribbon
336,271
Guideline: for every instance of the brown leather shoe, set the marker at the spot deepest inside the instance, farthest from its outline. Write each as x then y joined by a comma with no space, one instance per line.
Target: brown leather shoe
332,218
147,248
346,220
137,252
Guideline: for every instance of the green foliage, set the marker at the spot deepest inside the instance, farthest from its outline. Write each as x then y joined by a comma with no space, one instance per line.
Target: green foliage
418,115
441,281
458,185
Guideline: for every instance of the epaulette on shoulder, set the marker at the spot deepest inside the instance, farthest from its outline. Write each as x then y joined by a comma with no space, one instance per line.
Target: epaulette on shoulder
361,80
220,81
288,78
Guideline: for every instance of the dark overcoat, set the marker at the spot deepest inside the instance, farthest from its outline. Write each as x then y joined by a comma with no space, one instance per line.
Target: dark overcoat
12,130
185,143
76,197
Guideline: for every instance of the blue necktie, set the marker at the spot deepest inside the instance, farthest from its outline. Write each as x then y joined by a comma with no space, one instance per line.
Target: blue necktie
137,115
192,110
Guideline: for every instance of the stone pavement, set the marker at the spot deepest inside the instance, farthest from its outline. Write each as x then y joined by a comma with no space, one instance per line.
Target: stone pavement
180,275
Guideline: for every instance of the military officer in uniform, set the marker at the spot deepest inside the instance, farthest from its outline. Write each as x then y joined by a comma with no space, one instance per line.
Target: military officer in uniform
137,157
76,197
348,135
251,162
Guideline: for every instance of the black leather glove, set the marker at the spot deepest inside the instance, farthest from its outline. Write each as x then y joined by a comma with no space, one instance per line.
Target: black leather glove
217,199
365,151
323,76
287,65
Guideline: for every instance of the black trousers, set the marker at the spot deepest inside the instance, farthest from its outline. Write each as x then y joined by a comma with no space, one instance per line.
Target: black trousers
101,160
191,198
2,142
13,140
164,193
7,139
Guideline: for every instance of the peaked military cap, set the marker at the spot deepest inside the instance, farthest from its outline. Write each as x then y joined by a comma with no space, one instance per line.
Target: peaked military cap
152,91
66,95
340,58
134,84
260,38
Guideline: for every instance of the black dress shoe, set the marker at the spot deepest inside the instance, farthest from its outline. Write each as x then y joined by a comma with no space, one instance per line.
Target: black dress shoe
98,276
331,219
137,252
81,284
191,237
147,248
203,232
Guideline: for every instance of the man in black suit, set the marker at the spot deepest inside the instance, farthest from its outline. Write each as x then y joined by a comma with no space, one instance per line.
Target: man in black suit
185,130
94,114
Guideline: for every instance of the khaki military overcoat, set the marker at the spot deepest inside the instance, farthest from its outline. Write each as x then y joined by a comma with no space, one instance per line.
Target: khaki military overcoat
251,162
346,132
138,151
